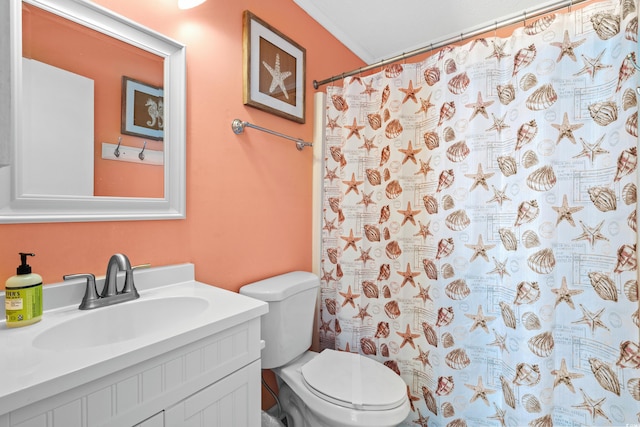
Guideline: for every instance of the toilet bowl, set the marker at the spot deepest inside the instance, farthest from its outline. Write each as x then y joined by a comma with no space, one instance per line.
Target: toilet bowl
327,389
332,389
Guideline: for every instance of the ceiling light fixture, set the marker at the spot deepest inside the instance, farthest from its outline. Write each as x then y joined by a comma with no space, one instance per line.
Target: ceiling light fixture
188,4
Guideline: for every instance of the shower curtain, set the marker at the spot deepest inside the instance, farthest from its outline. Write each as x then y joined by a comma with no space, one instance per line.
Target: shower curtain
479,224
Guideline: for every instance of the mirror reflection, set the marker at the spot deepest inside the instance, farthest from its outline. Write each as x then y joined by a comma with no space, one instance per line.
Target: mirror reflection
85,91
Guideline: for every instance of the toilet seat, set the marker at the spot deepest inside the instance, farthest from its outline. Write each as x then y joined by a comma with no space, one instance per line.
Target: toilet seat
353,381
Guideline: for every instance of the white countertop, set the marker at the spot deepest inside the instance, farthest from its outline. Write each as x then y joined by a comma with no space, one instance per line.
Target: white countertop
29,374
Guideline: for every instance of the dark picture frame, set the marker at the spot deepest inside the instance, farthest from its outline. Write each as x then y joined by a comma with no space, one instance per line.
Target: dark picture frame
142,109
273,70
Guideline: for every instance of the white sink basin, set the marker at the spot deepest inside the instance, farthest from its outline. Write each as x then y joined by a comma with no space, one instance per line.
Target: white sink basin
122,322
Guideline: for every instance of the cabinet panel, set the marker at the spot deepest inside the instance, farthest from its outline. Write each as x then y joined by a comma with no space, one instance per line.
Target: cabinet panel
232,401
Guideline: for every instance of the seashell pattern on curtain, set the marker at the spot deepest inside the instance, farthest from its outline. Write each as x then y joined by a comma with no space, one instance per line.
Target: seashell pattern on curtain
479,232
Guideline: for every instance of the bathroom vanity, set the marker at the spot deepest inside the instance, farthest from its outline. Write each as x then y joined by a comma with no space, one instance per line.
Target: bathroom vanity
183,354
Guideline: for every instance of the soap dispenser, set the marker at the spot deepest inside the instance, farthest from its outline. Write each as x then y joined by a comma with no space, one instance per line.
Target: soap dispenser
23,295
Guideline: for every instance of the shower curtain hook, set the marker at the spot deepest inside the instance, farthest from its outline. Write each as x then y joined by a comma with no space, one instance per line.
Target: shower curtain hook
524,22
570,5
495,30
630,58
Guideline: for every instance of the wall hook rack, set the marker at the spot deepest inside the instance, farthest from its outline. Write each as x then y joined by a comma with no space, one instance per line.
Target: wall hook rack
125,153
238,127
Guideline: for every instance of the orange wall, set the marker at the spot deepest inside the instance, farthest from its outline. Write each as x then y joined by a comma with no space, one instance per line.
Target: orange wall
248,196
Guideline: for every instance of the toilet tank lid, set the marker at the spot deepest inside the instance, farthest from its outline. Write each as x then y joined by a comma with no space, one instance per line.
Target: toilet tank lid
279,287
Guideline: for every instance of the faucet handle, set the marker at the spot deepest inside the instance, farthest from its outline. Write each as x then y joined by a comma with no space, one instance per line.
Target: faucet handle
129,286
90,293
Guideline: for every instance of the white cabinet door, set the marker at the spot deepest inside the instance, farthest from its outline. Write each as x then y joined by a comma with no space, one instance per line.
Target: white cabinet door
232,401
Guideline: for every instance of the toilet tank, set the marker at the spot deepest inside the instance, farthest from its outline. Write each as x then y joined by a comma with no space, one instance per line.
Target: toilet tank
288,326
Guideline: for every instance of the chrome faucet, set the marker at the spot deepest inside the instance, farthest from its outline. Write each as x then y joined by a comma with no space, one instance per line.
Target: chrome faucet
110,294
117,262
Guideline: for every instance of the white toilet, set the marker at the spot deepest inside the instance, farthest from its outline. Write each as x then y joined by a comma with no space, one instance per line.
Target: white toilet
327,389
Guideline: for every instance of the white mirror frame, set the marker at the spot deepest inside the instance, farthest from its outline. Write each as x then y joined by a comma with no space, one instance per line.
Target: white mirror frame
20,208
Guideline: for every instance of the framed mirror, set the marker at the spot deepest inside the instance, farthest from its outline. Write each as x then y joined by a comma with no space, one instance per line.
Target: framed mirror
94,107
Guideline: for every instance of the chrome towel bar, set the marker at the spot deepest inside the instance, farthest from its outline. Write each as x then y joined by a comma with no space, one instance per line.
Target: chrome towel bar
238,127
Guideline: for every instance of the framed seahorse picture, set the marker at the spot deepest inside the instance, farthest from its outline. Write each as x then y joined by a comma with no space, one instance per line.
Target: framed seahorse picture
142,109
273,70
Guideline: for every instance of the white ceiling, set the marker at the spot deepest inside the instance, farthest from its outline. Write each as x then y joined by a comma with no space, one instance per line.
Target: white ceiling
375,30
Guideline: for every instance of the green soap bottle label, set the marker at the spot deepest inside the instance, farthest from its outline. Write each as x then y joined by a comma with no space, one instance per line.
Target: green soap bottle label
23,303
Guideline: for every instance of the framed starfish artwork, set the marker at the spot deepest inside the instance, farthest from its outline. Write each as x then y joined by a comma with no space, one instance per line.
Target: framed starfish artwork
273,71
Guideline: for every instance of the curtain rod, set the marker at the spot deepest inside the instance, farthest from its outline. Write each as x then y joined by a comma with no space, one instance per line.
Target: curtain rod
238,127
463,36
